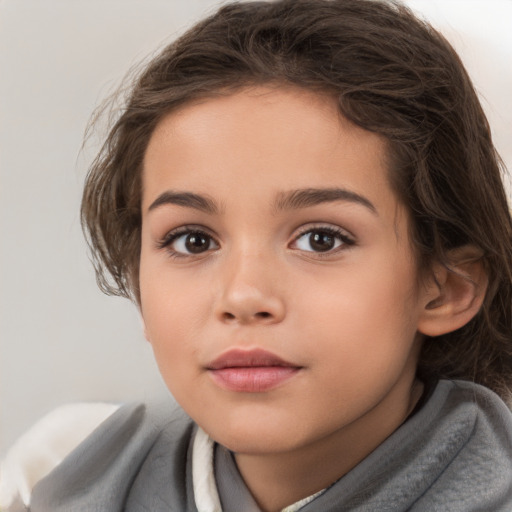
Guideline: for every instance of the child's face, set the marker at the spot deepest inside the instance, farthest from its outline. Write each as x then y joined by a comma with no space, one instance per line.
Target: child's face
269,225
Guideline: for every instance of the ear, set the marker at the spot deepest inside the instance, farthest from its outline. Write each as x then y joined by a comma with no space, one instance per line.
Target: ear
454,293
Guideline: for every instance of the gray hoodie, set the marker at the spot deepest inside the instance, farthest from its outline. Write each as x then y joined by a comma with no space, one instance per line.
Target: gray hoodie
453,455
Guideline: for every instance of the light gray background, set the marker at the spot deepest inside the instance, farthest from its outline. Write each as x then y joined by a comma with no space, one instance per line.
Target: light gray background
61,340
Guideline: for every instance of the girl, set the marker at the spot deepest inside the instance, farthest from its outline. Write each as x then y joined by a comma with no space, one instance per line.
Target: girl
303,199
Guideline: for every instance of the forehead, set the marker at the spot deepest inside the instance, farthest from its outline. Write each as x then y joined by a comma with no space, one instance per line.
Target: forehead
263,139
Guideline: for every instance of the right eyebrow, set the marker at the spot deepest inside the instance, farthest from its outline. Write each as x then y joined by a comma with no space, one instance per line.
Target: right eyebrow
308,197
186,199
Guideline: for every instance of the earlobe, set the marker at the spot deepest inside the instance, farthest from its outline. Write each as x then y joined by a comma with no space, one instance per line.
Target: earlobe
454,293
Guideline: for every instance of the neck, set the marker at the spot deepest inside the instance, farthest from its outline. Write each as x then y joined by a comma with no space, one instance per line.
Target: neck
277,480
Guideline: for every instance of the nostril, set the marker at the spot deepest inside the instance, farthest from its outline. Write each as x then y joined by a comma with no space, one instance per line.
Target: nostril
260,315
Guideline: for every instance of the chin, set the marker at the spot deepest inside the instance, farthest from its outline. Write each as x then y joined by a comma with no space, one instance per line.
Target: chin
250,444
256,437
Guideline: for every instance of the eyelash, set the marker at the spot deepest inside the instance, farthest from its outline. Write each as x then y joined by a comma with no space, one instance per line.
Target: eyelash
337,233
175,234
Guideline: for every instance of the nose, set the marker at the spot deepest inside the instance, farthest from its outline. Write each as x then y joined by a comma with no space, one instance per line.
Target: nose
250,292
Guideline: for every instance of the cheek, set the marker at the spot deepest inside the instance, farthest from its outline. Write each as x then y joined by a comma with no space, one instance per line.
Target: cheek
370,338
170,327
170,316
364,299
169,301
176,307
367,314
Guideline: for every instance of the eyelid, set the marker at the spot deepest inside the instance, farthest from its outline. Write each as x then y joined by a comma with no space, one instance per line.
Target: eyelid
327,226
345,236
172,235
347,239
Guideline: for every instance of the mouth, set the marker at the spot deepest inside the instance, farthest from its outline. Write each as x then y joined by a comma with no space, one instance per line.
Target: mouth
250,371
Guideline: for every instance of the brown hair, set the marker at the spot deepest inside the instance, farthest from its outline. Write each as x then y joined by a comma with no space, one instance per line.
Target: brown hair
393,74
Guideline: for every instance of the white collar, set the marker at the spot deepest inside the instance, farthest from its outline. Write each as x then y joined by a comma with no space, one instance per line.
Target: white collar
203,477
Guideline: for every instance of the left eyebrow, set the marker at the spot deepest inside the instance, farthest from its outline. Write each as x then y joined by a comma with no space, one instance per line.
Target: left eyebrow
187,200
307,197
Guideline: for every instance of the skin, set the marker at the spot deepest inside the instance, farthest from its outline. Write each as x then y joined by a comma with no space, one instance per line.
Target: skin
349,318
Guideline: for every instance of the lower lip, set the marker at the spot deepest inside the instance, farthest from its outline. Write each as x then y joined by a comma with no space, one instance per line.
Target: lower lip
251,379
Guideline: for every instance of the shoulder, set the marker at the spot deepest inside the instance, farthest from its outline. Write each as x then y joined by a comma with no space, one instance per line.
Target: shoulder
472,443
453,455
78,438
482,407
490,438
45,445
475,416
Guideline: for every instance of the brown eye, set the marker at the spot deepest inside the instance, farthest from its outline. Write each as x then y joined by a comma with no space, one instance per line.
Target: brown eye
189,242
197,242
322,240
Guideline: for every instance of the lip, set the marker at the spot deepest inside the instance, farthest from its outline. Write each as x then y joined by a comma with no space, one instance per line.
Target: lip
250,371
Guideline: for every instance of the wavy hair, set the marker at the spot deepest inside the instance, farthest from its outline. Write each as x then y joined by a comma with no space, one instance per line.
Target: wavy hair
392,74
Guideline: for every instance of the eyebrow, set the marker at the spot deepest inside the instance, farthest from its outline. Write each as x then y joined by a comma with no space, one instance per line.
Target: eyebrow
292,200
186,199
305,198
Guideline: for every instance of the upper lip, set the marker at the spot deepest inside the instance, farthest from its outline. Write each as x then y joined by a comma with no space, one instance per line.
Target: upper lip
239,358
